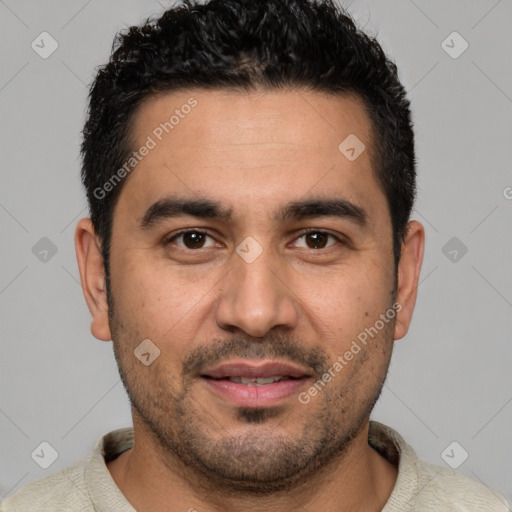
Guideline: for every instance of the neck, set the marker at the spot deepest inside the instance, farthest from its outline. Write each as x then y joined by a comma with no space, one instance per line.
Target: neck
358,479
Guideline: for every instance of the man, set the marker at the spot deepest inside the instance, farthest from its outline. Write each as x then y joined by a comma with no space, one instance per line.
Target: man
250,172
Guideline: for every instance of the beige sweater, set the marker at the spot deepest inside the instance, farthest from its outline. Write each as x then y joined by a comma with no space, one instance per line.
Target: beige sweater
88,487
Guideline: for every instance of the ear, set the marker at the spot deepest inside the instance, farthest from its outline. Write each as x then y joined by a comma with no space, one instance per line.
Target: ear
409,267
92,277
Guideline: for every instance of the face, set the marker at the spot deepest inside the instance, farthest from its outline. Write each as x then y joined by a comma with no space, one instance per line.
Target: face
246,245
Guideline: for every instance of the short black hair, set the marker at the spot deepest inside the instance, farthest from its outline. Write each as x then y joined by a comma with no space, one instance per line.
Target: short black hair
247,45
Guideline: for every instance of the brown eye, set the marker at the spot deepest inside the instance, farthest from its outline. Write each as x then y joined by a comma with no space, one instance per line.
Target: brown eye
317,240
191,240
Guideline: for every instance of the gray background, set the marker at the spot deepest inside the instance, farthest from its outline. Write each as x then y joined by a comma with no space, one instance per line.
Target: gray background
450,378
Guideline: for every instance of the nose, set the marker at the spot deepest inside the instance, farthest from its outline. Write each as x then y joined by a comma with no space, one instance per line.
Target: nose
255,297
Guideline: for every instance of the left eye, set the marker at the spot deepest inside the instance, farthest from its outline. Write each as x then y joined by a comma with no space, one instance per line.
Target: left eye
192,239
317,239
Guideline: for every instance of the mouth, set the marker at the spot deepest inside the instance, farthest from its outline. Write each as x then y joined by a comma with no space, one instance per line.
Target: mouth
255,383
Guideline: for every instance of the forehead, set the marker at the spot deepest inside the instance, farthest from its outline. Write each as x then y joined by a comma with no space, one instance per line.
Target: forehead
276,116
237,147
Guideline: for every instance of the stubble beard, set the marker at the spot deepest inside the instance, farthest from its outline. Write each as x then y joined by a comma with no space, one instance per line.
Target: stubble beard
265,459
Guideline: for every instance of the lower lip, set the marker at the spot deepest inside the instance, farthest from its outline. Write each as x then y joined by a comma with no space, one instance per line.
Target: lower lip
265,395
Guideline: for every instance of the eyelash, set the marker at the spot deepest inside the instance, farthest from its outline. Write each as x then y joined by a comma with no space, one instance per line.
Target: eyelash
304,232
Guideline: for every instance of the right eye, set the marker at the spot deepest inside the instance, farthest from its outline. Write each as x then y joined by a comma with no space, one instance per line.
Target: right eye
191,239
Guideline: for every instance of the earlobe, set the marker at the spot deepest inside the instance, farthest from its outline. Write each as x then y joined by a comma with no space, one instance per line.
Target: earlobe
409,268
92,278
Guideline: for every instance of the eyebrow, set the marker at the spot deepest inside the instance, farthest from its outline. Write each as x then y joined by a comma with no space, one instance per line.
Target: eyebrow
171,207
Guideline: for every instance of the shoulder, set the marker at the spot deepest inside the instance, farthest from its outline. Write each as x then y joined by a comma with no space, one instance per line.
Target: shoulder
64,491
423,486
455,491
76,488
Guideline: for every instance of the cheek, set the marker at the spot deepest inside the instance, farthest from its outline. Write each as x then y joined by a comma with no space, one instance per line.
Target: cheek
346,299
159,300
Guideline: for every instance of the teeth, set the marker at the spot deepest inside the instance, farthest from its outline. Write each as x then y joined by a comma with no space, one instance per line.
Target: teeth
256,381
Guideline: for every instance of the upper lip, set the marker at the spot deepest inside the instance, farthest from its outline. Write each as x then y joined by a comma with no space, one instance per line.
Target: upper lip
254,369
